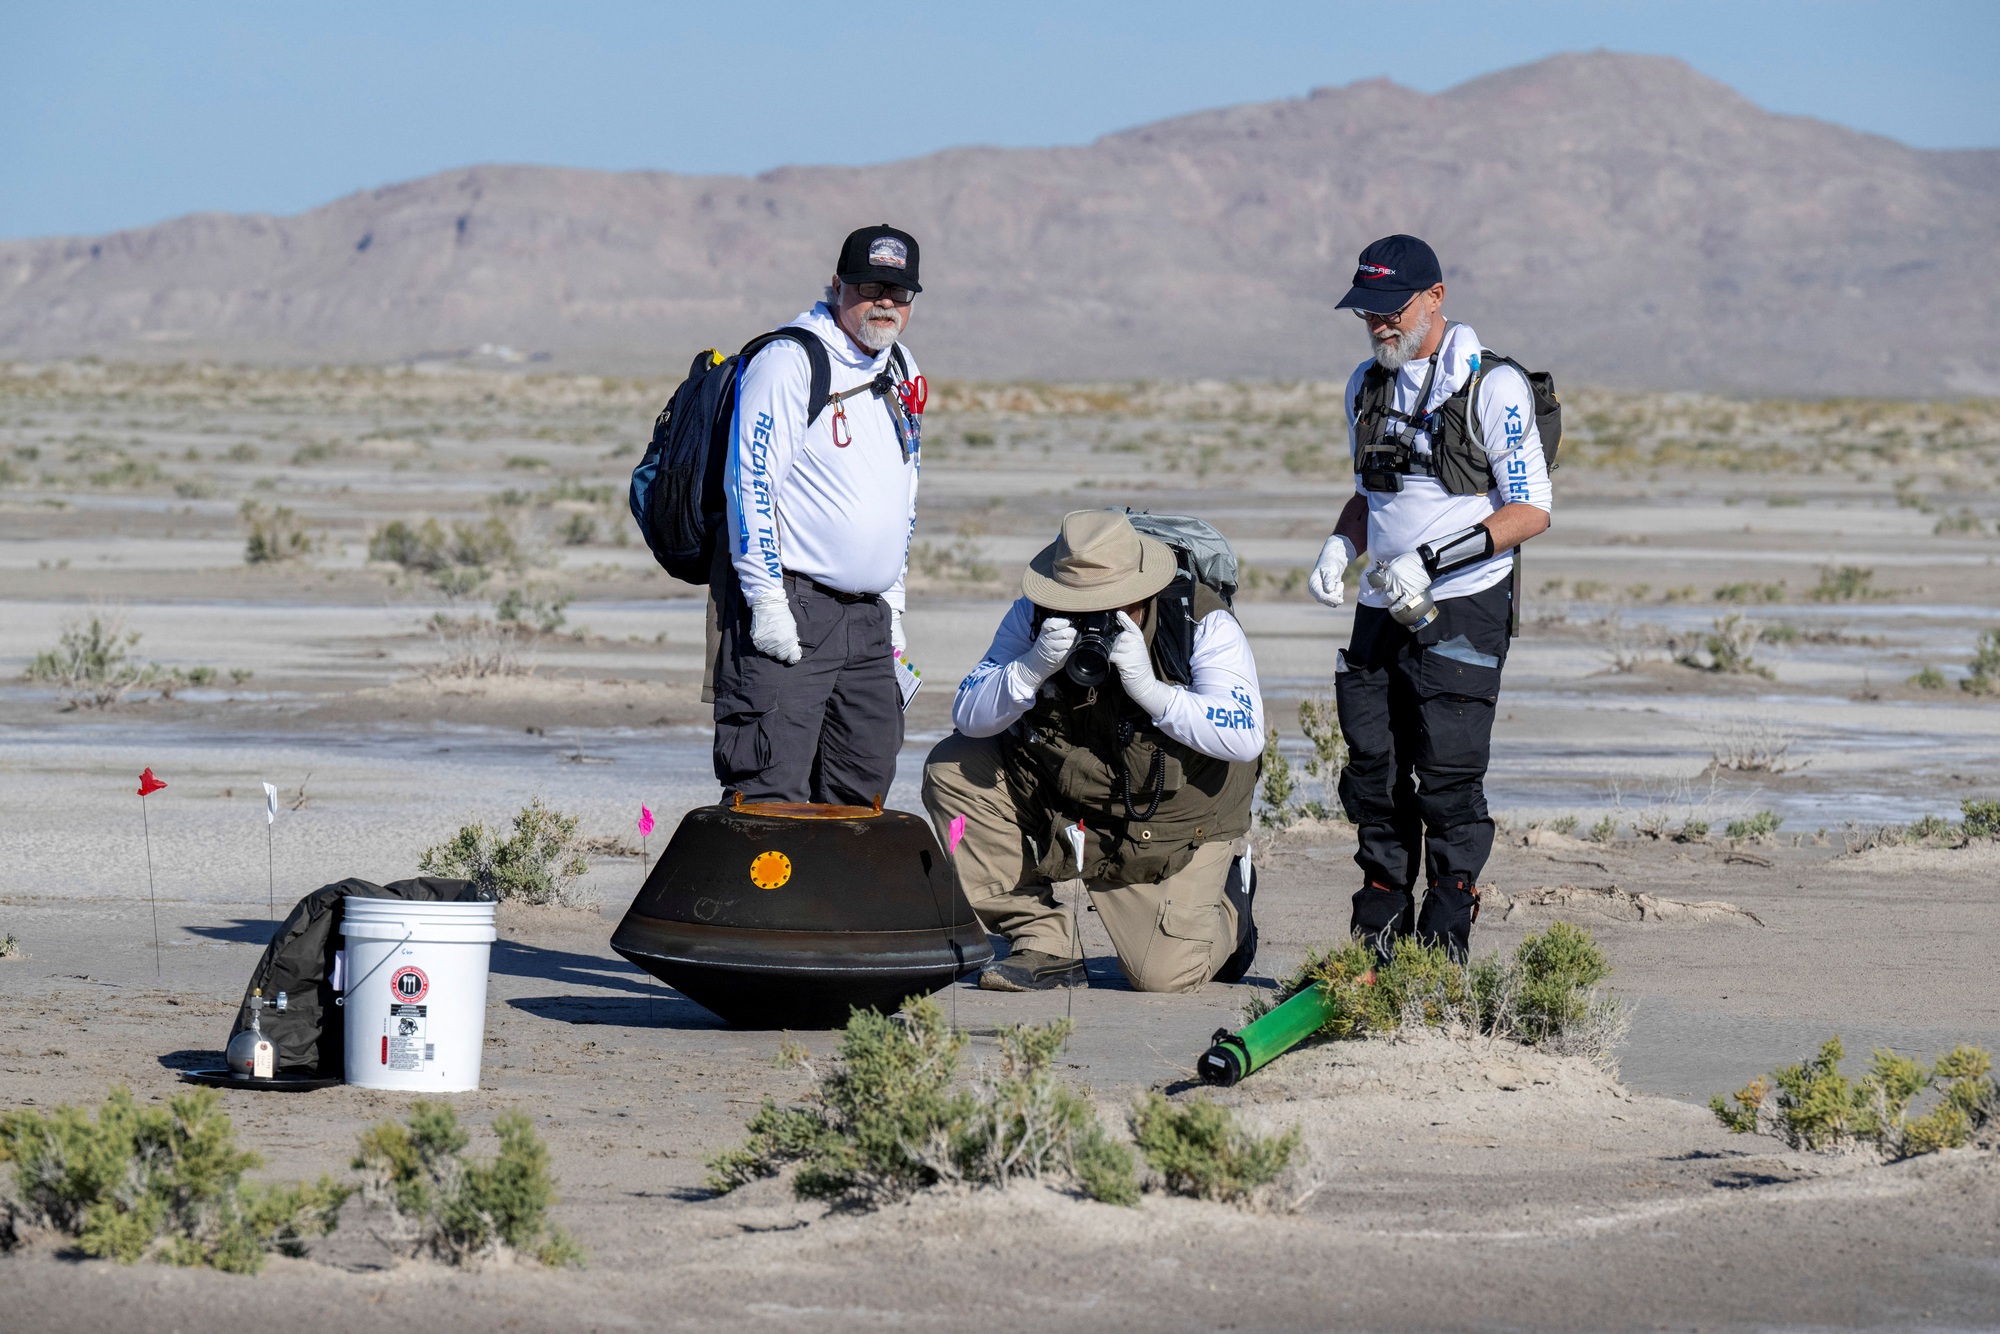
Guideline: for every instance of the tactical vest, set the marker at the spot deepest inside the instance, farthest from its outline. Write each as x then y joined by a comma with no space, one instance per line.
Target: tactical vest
1458,457
1096,756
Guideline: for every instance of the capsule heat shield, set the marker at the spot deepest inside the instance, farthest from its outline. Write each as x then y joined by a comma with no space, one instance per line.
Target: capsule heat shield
789,916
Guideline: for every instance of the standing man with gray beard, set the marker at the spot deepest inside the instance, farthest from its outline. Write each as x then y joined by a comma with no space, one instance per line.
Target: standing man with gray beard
1449,476
807,704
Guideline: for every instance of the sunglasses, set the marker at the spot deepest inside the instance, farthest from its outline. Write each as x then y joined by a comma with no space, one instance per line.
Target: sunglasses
902,296
1377,317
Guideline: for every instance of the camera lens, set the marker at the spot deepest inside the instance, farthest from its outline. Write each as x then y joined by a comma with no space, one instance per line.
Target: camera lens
1088,665
1090,661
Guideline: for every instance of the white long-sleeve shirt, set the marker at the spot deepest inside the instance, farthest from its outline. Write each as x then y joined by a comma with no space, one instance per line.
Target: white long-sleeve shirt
841,515
1423,511
1221,714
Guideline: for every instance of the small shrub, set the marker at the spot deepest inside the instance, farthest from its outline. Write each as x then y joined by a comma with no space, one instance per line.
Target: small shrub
538,863
540,608
1198,1149
165,1181
1848,583
885,1122
1965,521
1761,825
10,948
1930,678
1813,1105
1563,824
275,534
1691,831
1982,818
1543,994
1745,592
428,549
1728,647
460,1210
1319,719
1929,828
1751,747
473,647
578,530
1604,831
421,547
91,665
1279,785
1983,676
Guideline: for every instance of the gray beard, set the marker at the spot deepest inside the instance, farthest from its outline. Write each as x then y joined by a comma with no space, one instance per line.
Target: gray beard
879,337
1396,354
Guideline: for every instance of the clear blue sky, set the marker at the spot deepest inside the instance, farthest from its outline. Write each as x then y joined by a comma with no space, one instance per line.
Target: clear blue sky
120,114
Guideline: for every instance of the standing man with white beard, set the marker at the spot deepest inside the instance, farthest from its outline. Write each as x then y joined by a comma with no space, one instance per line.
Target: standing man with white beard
807,704
1449,476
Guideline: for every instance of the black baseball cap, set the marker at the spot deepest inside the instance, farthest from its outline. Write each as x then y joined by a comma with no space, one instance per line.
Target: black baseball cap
1391,271
879,254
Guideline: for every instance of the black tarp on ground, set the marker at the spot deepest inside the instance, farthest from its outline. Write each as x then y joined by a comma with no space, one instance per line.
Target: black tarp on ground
309,1034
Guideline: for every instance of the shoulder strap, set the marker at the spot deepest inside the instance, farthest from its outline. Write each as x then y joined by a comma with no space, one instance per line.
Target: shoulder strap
897,360
1488,359
822,366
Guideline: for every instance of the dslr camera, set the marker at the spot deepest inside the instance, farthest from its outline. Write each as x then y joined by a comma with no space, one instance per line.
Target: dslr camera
1089,663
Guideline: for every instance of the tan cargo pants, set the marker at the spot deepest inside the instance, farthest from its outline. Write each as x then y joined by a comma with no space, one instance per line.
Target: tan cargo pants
1170,936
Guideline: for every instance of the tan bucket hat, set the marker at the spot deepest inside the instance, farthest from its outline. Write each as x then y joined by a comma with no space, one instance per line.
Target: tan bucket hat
1099,563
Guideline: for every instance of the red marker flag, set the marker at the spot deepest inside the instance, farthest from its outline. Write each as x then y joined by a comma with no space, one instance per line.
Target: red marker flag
149,784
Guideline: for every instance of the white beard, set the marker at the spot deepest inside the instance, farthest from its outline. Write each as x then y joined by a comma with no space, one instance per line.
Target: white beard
879,337
1395,353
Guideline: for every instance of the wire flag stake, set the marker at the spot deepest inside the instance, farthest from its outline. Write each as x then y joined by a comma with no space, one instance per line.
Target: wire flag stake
148,785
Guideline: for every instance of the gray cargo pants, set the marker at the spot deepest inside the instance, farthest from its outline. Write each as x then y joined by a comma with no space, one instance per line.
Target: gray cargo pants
826,728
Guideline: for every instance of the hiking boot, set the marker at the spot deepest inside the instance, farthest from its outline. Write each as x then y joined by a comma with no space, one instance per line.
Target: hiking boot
1243,894
1032,970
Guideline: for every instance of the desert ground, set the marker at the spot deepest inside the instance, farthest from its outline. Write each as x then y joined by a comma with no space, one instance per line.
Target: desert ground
1745,609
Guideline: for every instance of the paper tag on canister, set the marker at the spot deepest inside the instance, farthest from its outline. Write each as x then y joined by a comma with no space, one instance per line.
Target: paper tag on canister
263,1063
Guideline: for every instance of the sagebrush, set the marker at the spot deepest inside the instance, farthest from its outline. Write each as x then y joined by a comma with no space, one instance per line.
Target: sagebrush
1813,1105
136,1180
464,1210
1543,994
885,1120
1199,1149
538,863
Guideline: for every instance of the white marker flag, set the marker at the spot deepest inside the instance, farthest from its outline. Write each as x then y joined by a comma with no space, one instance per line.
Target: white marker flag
270,804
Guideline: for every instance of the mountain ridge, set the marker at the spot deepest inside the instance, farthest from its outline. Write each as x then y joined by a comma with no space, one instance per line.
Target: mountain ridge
1619,218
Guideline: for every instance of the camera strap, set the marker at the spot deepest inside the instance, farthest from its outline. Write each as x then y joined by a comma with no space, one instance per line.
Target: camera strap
1391,446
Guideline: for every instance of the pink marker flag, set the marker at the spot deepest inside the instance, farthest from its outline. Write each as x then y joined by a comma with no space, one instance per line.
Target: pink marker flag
954,833
645,822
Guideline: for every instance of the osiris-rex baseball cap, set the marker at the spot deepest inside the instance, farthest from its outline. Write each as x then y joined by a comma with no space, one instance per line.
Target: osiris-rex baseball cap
1391,271
879,254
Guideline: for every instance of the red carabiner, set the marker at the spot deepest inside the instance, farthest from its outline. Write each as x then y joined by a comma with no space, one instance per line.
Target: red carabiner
915,394
842,435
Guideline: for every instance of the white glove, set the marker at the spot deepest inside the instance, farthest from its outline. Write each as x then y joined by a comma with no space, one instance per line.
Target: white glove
773,630
1135,670
898,645
1325,583
1046,654
1401,579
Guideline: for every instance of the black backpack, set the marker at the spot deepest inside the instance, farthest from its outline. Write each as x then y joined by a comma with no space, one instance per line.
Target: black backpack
677,497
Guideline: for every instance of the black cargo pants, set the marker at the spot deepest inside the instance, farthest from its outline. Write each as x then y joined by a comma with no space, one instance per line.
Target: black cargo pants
1417,711
826,728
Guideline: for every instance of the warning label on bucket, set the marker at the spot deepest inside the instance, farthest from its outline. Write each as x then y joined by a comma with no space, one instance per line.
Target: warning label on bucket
410,984
406,1045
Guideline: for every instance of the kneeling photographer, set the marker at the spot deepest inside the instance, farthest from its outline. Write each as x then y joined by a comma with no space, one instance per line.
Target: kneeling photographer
1111,733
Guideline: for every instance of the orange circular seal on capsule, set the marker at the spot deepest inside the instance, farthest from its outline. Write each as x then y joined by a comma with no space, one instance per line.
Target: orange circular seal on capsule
768,870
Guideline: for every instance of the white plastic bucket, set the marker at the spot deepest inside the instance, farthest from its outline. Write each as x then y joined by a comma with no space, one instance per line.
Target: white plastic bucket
416,993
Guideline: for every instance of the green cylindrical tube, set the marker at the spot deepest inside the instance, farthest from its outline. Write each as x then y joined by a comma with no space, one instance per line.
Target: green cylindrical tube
1235,1055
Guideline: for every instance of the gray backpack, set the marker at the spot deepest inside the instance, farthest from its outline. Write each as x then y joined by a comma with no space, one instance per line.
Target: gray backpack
1202,551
